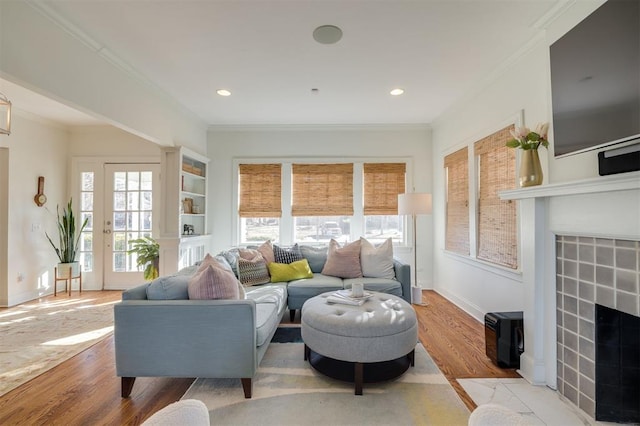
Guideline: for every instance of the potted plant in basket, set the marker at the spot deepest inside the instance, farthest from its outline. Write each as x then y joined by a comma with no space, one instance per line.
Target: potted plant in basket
529,141
69,240
148,256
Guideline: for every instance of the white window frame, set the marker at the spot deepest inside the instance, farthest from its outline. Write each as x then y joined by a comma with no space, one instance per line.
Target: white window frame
287,221
474,191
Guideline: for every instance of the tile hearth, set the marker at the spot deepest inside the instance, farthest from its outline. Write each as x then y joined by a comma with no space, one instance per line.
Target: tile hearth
590,271
538,404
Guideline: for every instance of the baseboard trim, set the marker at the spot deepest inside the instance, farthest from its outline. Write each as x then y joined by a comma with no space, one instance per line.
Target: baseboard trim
466,306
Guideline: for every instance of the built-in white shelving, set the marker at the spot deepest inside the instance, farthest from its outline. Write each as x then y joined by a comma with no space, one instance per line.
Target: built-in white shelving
184,234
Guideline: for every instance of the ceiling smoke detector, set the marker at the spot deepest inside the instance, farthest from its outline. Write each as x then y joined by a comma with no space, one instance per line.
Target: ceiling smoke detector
327,34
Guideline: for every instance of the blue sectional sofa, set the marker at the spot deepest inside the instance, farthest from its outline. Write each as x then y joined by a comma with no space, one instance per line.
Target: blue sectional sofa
159,332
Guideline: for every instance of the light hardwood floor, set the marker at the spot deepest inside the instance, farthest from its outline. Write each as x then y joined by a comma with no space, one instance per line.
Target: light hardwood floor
85,390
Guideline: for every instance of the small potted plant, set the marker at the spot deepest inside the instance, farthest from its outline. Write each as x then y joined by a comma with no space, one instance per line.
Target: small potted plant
147,251
529,141
69,240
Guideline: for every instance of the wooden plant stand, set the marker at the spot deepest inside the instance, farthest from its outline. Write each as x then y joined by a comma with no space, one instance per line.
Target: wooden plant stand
67,280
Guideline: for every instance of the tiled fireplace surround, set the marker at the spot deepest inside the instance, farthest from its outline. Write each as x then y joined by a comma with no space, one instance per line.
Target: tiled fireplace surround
589,271
580,244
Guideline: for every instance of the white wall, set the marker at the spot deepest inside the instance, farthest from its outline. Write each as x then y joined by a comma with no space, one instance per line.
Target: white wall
60,63
522,86
36,148
472,285
298,142
108,141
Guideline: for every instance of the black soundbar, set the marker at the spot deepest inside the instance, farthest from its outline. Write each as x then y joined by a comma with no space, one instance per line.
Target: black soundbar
619,160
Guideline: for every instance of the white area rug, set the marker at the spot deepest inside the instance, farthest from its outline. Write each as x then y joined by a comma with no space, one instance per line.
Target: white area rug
288,391
38,336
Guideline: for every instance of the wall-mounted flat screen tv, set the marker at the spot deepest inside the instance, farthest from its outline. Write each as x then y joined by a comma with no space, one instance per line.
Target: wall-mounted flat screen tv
595,80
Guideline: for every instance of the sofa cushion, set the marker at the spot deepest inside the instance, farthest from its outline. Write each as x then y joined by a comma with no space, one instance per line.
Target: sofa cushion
267,320
316,256
310,287
213,283
287,255
170,287
252,268
377,261
289,271
383,285
343,262
271,293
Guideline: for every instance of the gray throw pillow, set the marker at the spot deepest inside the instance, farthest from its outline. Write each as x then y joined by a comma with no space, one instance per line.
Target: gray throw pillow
316,256
171,287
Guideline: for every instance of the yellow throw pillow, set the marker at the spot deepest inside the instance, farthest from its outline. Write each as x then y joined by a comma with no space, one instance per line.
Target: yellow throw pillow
289,271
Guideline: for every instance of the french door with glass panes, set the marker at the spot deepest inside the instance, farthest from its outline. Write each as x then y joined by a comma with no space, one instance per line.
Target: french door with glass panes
129,213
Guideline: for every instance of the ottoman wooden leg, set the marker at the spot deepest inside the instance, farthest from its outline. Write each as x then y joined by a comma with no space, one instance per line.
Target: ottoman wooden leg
307,352
358,376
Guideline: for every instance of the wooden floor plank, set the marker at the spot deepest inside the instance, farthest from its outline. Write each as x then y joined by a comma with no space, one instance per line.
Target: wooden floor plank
455,341
85,390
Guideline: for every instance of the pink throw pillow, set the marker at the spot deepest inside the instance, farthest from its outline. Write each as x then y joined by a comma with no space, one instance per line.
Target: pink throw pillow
213,283
266,249
343,262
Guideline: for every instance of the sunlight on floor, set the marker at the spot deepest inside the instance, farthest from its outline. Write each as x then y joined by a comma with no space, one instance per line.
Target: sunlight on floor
79,338
18,320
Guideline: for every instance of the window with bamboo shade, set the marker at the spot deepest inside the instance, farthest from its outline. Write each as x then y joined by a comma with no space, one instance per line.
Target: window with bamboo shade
322,189
457,213
260,190
382,184
496,227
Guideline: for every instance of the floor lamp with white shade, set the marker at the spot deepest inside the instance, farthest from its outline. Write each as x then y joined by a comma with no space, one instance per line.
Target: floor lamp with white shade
413,204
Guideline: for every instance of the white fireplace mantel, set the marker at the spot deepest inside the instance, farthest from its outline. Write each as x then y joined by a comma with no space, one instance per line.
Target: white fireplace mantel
619,182
607,207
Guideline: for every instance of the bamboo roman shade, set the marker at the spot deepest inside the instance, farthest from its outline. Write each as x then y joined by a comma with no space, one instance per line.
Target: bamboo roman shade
322,190
382,184
497,233
457,225
260,189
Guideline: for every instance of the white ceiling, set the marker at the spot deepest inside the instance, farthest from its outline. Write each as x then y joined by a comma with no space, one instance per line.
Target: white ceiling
264,53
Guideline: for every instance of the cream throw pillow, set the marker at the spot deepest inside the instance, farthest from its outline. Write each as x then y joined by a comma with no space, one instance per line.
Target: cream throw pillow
343,262
377,262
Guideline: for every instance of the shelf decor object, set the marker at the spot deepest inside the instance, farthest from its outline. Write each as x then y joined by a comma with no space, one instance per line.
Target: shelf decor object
529,141
413,204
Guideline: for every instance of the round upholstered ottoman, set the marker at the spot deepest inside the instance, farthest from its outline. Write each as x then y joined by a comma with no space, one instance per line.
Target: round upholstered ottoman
367,343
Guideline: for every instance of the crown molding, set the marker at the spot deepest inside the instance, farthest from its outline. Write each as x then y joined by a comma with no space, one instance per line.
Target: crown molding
319,127
541,25
552,14
104,52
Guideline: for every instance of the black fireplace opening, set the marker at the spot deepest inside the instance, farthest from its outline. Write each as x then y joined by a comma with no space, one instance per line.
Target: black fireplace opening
617,366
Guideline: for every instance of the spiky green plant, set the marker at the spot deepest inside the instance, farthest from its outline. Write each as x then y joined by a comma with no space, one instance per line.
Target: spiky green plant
148,251
67,248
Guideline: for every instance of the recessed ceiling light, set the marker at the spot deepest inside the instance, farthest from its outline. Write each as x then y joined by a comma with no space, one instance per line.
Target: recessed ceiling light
327,34
223,92
396,92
